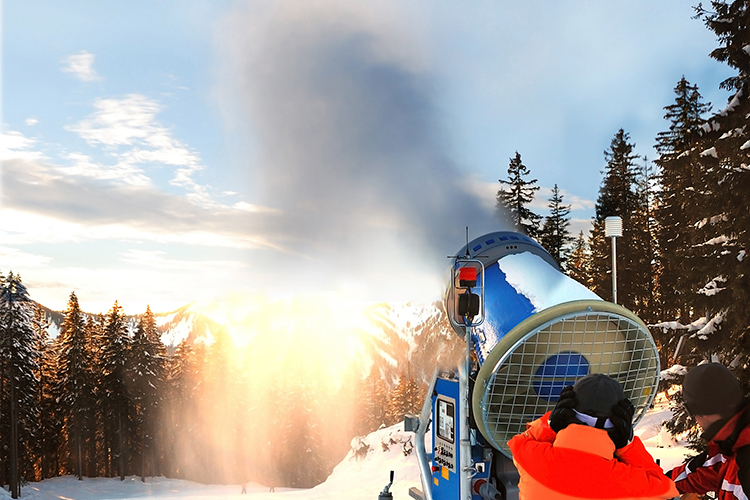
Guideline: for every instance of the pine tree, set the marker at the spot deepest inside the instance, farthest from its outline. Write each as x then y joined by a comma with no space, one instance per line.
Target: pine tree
405,398
677,206
182,383
723,238
50,421
373,404
19,356
96,452
579,262
516,198
619,196
555,237
147,367
75,385
640,251
678,202
116,397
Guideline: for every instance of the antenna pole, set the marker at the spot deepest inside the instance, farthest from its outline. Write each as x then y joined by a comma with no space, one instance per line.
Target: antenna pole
465,465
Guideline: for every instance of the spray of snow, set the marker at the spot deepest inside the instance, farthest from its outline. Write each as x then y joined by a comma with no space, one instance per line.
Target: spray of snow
350,149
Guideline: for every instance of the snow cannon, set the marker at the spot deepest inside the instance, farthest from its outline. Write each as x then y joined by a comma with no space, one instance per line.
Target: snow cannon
530,331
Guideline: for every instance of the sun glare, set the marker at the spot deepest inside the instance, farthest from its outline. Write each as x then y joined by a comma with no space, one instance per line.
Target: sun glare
328,325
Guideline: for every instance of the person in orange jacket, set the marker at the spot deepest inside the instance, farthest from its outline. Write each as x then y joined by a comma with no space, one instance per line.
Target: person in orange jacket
584,449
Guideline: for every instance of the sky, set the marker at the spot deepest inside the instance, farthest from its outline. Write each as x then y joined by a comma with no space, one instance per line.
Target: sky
160,153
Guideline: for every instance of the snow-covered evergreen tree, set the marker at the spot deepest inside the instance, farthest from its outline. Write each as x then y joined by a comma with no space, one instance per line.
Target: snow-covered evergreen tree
406,398
19,359
182,383
678,208
677,198
95,451
75,385
723,233
116,400
515,195
372,402
50,420
146,381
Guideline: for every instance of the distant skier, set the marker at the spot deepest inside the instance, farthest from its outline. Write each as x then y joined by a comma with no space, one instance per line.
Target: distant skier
272,489
244,488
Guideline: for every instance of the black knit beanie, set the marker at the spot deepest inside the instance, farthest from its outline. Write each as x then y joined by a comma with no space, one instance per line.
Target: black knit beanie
711,389
596,394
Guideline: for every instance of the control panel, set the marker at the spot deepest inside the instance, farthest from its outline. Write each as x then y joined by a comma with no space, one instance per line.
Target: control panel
447,473
445,432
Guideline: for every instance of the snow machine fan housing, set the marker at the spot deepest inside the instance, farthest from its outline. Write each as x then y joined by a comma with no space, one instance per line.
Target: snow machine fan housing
540,331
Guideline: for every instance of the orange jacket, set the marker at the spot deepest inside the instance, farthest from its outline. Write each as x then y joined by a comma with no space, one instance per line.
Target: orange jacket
581,462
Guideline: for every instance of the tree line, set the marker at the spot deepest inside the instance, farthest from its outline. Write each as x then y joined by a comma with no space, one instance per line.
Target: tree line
683,256
106,398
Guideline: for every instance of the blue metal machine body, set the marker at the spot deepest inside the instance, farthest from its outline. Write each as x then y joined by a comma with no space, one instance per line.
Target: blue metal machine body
446,432
533,332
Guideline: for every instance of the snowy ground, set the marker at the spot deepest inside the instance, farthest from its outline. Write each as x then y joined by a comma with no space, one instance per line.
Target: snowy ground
355,478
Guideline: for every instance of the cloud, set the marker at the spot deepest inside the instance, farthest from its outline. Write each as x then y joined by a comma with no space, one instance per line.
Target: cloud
158,259
13,258
578,225
129,130
352,148
124,172
488,192
81,66
15,145
31,121
46,203
542,197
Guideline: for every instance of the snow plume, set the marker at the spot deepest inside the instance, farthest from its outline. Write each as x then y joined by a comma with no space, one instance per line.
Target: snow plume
349,141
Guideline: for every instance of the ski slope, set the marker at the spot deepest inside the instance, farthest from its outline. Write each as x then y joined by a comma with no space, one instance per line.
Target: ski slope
360,476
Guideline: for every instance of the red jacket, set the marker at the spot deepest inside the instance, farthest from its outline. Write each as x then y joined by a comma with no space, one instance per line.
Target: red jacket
719,472
581,462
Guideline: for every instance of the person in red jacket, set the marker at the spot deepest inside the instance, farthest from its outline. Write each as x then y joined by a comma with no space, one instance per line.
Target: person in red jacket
584,449
712,394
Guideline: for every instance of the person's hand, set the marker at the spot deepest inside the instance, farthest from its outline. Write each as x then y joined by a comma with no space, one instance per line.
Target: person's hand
697,461
563,413
622,420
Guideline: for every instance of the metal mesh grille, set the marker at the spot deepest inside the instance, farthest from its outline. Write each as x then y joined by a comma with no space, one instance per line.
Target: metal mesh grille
609,343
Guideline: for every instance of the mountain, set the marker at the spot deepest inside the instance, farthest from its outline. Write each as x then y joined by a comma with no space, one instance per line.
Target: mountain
412,337
404,336
174,326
